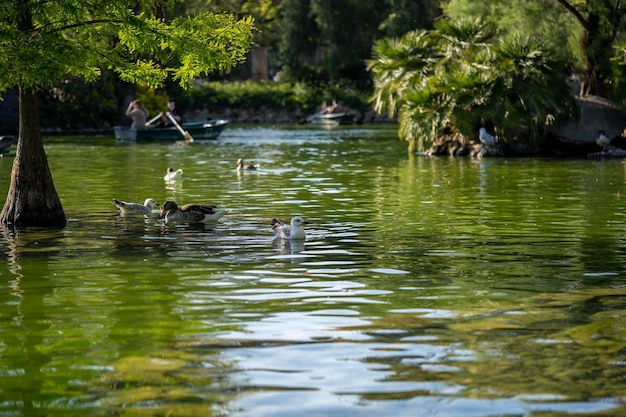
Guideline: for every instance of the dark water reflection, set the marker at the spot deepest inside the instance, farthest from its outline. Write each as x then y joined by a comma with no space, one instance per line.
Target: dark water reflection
427,286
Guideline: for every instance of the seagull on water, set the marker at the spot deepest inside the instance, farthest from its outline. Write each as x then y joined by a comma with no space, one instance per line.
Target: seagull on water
135,208
172,174
603,140
190,213
485,138
293,232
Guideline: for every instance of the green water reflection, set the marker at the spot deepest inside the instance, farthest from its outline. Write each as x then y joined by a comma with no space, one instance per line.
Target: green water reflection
448,287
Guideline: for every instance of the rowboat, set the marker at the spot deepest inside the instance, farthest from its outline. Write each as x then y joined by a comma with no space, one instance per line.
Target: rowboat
210,129
332,119
5,143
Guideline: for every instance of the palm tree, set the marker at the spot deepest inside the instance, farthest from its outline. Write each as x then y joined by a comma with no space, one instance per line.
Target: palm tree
457,78
535,91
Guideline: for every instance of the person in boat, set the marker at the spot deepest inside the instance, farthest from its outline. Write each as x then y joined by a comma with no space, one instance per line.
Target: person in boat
138,113
171,108
332,107
323,108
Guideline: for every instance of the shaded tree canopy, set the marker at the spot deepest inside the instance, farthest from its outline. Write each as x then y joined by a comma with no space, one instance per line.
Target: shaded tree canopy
586,33
602,21
325,40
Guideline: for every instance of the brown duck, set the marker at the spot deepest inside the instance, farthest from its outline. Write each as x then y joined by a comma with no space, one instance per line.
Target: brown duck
241,166
190,213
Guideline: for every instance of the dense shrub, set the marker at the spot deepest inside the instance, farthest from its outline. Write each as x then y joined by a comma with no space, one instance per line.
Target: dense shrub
271,95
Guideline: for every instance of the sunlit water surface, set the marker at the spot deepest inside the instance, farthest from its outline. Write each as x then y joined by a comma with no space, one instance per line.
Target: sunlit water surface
426,287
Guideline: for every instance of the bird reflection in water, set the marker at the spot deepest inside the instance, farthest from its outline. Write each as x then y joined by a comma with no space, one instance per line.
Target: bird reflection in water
287,246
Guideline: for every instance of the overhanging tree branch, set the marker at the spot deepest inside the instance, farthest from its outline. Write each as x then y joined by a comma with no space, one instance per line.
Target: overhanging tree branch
576,13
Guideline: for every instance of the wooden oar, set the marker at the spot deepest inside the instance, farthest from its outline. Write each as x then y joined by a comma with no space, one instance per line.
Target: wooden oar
185,134
154,119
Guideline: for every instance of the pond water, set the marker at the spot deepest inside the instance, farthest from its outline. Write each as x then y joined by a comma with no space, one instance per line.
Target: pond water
427,286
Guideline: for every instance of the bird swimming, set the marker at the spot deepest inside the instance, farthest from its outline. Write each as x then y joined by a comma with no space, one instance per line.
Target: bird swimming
190,213
603,140
246,167
485,138
293,232
172,174
135,208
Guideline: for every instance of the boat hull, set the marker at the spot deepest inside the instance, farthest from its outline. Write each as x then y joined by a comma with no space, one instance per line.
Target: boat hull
208,130
5,143
332,119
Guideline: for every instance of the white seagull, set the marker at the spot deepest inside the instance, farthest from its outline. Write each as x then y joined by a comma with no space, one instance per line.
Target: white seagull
173,175
293,232
135,208
486,138
603,140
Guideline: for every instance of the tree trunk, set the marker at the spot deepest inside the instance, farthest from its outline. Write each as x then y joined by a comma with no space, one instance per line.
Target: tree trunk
32,199
597,44
598,48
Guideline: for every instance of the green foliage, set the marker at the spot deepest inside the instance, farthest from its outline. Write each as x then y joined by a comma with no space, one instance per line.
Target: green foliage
43,45
546,20
402,16
459,77
400,65
300,36
271,95
587,34
618,66
153,100
78,105
264,13
329,41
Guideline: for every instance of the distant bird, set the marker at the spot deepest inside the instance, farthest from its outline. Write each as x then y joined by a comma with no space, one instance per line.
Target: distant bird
293,232
172,174
603,140
190,213
135,208
248,167
486,138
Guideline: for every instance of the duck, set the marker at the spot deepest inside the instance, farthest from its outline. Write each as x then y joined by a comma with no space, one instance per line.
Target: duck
603,140
485,138
135,208
246,167
190,213
172,174
293,232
